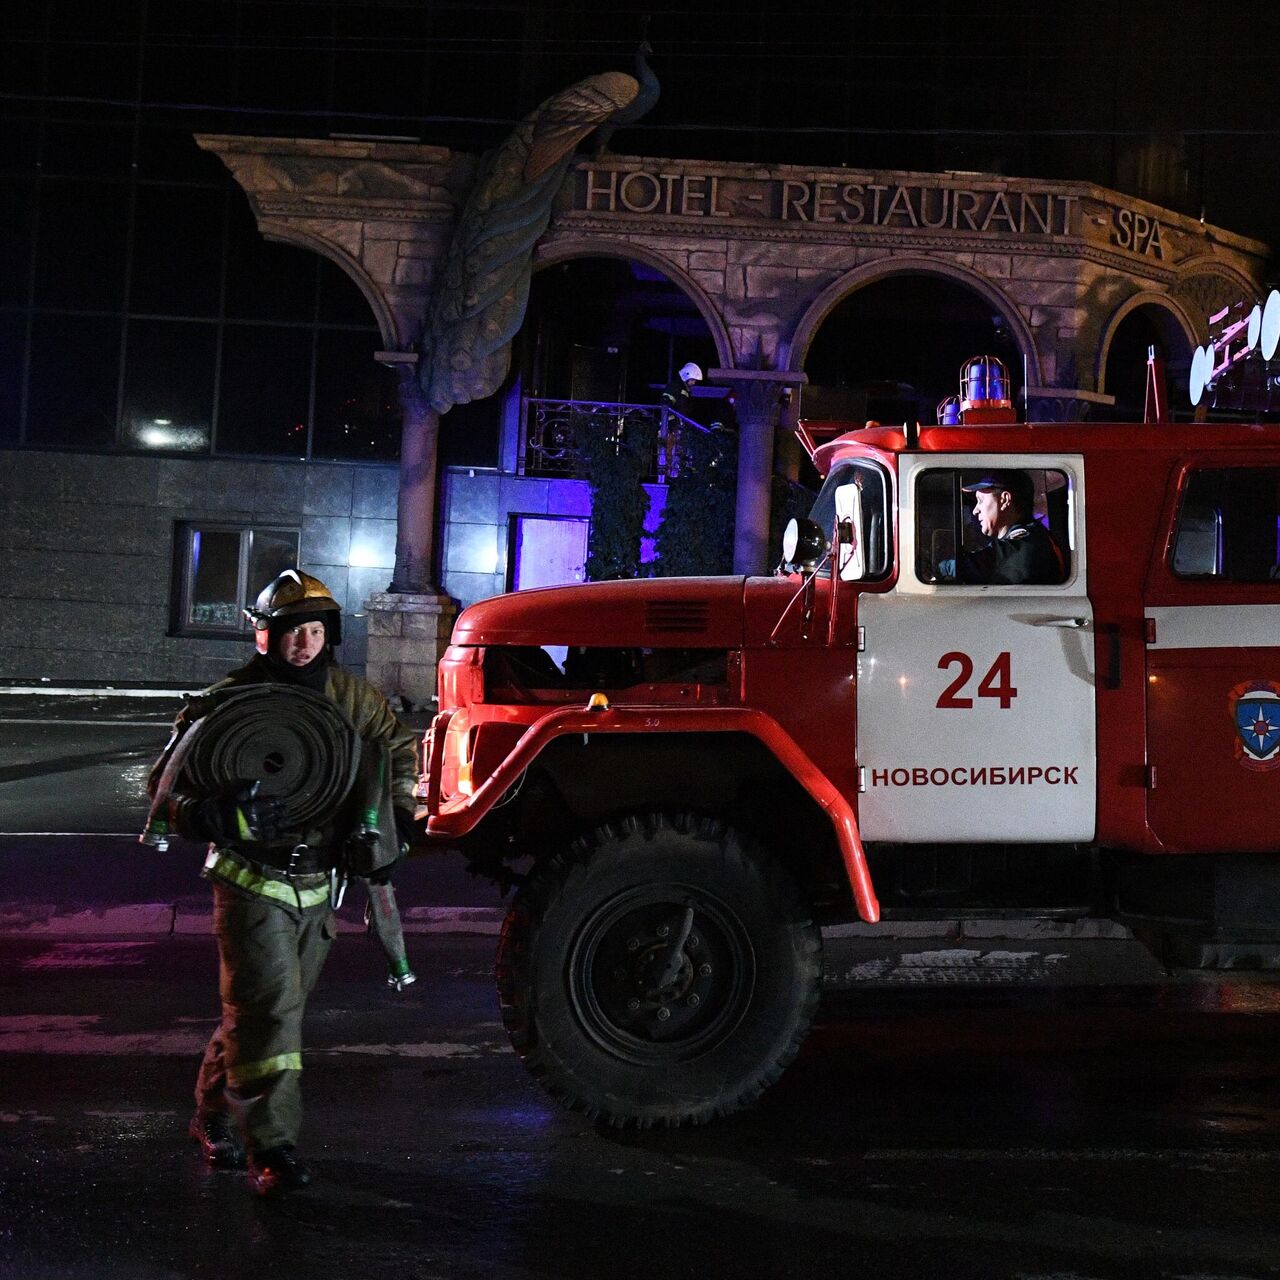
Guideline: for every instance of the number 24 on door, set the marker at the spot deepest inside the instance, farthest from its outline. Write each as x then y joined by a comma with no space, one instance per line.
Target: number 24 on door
997,683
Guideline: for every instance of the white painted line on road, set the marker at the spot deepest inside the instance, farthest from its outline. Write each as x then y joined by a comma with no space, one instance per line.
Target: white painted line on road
124,724
60,1033
443,1049
57,690
89,955
78,1033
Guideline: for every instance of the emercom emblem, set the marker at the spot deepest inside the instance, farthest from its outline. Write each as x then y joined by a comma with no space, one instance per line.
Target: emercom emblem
1255,707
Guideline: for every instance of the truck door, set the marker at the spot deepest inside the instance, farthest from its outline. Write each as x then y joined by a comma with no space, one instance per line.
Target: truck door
1213,662
976,715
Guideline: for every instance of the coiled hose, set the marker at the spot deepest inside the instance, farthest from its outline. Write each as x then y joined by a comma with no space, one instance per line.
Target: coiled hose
295,744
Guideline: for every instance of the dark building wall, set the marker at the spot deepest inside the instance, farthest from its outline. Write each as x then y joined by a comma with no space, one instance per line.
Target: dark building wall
87,546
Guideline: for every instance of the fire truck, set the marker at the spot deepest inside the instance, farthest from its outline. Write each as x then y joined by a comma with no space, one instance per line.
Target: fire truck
689,778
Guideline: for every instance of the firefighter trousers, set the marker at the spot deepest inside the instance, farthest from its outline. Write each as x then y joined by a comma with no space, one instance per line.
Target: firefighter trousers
270,956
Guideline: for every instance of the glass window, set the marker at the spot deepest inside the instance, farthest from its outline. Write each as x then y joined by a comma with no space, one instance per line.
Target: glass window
854,505
13,333
84,140
169,152
17,205
357,399
187,72
81,250
177,251
993,526
168,385
1229,525
218,566
341,301
265,390
20,139
266,281
94,68
79,411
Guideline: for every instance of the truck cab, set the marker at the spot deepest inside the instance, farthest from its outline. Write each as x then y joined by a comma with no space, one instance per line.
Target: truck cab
689,777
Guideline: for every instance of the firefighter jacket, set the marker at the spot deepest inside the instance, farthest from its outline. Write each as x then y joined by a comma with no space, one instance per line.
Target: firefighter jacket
273,870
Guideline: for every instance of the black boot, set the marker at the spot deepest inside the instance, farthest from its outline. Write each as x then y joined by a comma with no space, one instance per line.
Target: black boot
277,1170
218,1140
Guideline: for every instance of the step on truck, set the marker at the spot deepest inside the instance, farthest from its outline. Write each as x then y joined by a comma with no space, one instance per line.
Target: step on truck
688,778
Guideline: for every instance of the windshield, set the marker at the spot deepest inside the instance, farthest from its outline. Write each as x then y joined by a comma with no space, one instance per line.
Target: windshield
873,487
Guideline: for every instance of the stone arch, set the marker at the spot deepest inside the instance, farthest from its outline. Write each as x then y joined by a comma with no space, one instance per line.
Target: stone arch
1205,283
550,252
284,233
1173,314
797,349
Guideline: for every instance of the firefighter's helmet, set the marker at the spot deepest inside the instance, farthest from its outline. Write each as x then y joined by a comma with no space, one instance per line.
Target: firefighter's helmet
690,372
290,599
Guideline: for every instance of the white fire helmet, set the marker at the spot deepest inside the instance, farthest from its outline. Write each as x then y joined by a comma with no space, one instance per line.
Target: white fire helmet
690,373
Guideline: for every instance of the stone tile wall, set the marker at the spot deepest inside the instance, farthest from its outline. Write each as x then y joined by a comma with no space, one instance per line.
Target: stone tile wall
87,546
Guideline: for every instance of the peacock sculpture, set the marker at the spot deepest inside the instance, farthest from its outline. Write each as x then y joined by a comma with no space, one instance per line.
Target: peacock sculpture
643,103
481,292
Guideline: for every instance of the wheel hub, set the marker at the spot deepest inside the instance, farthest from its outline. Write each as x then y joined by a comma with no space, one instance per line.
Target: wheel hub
661,979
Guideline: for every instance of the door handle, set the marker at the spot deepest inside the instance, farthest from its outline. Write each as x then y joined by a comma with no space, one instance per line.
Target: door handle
1069,624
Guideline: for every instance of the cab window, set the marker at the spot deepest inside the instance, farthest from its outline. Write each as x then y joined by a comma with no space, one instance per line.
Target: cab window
854,504
1228,526
993,526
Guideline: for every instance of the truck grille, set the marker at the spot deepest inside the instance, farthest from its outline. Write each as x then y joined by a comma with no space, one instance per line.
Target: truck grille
676,615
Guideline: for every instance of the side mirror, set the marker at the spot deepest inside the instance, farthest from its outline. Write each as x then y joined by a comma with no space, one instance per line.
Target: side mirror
850,557
803,543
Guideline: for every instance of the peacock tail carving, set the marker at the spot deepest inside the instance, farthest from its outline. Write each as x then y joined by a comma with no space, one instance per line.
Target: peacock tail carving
480,296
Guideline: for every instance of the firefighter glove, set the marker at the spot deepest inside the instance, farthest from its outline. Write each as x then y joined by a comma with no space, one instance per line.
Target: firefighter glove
243,816
405,829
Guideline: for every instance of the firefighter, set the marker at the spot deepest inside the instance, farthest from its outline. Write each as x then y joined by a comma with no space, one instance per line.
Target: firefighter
1019,548
273,915
679,391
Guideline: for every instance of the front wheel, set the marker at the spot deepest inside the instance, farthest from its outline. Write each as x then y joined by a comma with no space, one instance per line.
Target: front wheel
664,971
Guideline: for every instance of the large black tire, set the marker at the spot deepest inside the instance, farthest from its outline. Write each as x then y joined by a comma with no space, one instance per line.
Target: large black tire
663,971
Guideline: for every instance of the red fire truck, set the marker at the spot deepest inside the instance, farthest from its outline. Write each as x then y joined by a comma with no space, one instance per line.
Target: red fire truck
688,778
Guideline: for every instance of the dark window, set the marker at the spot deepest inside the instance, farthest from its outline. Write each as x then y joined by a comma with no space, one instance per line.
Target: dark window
81,245
470,434
13,333
17,208
341,301
20,144
119,21
218,566
177,251
82,140
357,402
187,69
169,151
264,392
74,381
168,385
94,68
266,281
1033,542
1229,525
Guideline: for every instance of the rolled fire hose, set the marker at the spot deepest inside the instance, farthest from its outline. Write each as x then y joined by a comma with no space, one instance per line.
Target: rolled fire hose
295,745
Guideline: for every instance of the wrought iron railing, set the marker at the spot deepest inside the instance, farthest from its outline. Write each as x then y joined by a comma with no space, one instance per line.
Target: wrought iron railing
551,442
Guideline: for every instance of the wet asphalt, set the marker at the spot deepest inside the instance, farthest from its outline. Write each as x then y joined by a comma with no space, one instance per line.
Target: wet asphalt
968,1105
961,1130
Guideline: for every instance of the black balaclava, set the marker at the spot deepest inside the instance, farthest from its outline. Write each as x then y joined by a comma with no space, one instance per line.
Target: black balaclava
314,674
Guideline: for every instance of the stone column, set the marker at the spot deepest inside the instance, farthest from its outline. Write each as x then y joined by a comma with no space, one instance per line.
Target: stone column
408,631
410,622
757,394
